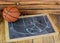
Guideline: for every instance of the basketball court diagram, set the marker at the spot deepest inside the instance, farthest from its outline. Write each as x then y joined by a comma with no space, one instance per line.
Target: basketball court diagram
30,26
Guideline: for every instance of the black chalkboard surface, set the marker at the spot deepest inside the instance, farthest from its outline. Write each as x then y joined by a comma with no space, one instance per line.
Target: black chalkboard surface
30,26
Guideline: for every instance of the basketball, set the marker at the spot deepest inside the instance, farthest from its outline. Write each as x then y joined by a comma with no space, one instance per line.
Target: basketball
11,14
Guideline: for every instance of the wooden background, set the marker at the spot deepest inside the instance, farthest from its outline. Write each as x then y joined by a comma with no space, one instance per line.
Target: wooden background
29,0
52,8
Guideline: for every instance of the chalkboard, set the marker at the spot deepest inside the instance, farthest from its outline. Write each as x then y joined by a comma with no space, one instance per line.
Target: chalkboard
30,26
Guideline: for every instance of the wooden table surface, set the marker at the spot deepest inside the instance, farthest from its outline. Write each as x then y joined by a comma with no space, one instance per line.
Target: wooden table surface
47,39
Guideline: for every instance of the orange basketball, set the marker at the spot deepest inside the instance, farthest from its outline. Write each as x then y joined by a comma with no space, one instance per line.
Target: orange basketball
11,14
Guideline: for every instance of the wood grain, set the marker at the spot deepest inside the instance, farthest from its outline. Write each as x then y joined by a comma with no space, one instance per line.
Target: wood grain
49,39
34,7
47,4
33,2
29,0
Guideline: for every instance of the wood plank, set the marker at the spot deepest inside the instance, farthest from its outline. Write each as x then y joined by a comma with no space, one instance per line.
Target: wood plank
28,0
56,7
33,2
40,11
47,39
24,41
43,7
38,7
2,33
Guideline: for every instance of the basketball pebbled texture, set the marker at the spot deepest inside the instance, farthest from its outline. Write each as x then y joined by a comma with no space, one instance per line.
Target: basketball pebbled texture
11,14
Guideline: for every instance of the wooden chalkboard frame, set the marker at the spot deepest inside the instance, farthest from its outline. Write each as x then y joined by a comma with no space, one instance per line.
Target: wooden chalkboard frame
31,37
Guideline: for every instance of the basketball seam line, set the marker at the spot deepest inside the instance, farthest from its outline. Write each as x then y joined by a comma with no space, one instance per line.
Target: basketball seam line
9,9
9,15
